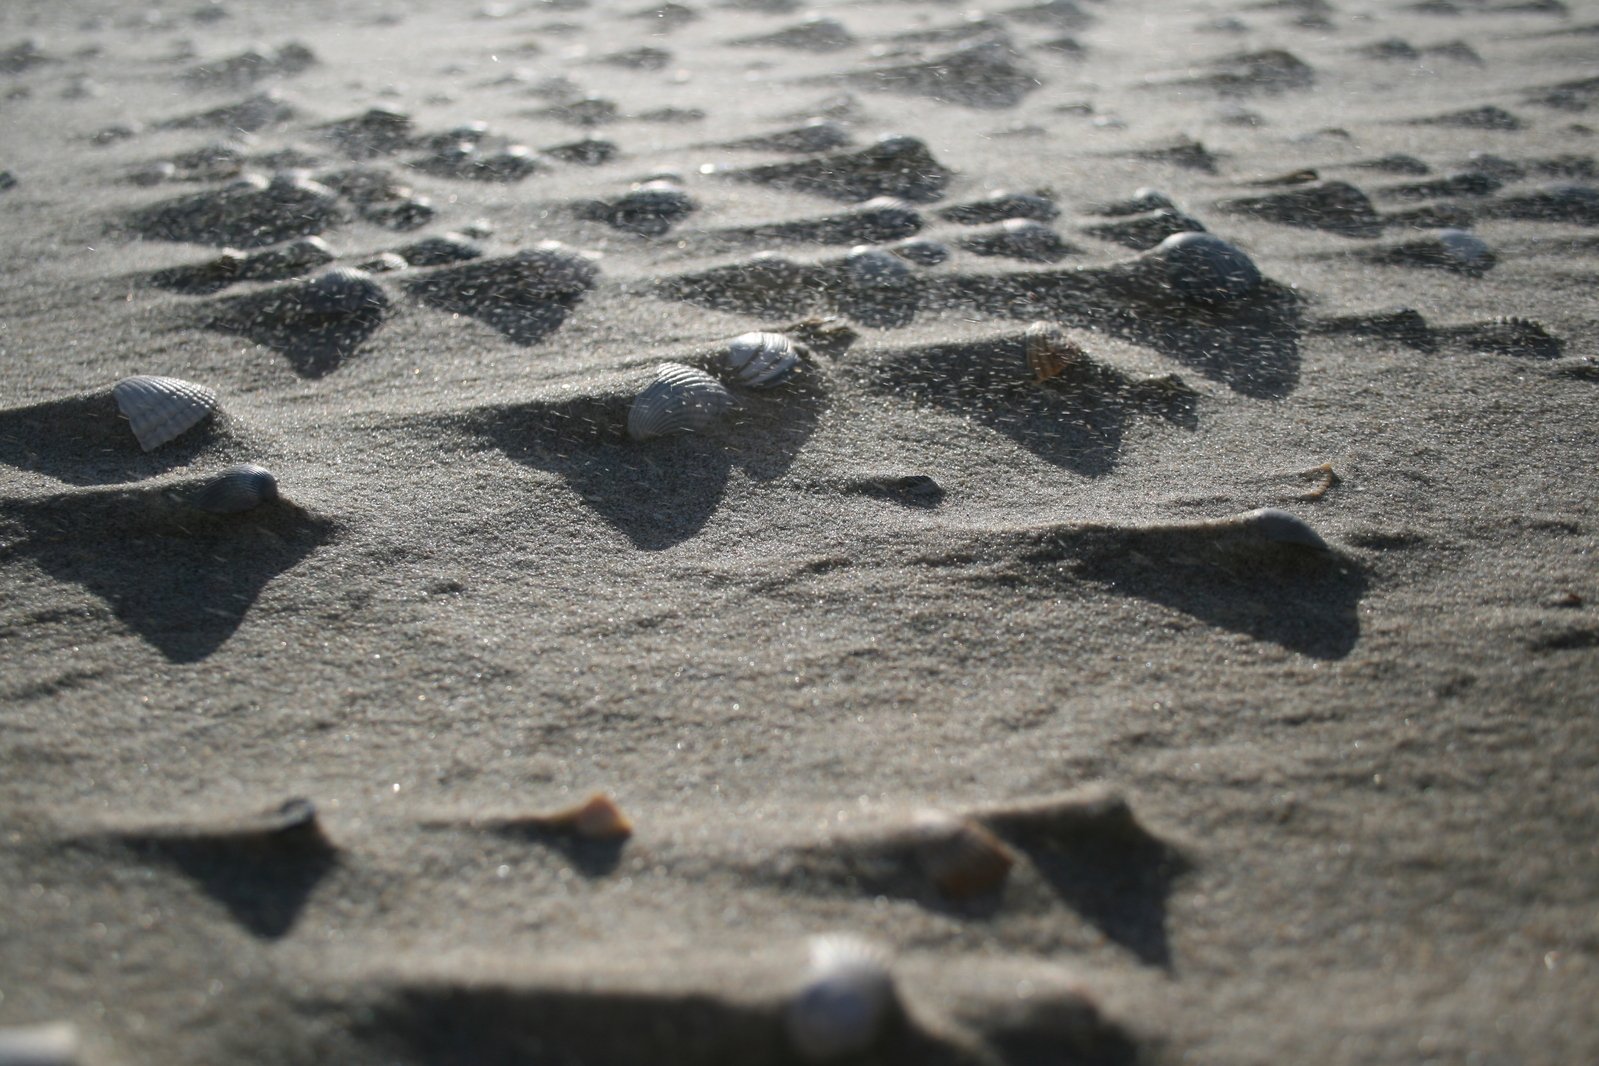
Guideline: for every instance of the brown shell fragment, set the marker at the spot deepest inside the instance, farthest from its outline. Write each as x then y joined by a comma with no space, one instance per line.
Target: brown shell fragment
960,857
1050,352
596,818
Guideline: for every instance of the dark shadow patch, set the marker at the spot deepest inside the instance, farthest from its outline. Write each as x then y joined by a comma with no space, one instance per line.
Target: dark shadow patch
901,167
1247,74
657,493
248,216
1334,206
1075,420
907,490
1249,344
1403,325
85,440
1056,1031
262,869
180,578
591,858
315,345
526,296
1304,600
984,75
444,1022
1102,863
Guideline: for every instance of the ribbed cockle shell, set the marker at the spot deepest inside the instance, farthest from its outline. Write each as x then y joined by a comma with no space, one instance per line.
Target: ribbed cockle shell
681,399
761,360
162,409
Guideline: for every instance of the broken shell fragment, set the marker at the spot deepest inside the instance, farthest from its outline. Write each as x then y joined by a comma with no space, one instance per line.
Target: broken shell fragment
681,399
1049,351
596,818
848,1000
162,409
961,858
237,489
761,360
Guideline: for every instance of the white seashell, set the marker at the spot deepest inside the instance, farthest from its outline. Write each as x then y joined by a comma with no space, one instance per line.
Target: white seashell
162,409
55,1044
680,400
761,360
237,489
846,1002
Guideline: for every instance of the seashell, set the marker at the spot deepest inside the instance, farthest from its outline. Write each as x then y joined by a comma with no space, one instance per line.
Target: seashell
1049,351
872,270
237,489
1205,268
848,1000
681,399
1147,230
921,251
436,251
154,174
960,857
383,263
1019,238
55,1044
815,135
339,292
1450,249
1000,205
162,409
596,818
761,360
1336,206
1270,526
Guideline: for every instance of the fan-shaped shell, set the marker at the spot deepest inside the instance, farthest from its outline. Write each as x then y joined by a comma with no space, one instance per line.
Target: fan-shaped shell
960,857
761,360
341,291
239,488
847,1000
162,409
681,399
1049,351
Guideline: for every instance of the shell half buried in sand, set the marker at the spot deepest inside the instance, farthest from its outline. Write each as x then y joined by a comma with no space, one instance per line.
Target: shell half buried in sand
162,409
681,399
960,857
1050,352
236,490
847,1002
761,360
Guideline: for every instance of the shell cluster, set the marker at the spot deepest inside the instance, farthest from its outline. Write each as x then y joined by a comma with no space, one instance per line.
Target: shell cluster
847,1001
681,399
162,409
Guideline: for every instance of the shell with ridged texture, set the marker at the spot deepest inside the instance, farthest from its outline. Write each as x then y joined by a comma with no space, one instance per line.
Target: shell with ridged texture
761,360
237,489
681,399
161,409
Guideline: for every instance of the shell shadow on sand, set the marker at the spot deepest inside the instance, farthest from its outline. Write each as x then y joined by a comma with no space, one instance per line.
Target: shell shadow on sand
526,296
1075,419
1250,344
261,867
182,579
1221,572
316,324
84,440
658,493
244,215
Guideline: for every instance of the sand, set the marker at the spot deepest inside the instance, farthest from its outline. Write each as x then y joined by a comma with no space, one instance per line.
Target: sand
1252,801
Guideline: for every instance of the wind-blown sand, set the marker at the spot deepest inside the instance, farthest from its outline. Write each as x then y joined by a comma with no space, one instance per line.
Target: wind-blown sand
1228,799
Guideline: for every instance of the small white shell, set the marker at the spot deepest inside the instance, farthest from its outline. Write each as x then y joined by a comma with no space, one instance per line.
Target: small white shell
681,399
39,1045
237,489
847,999
761,360
162,409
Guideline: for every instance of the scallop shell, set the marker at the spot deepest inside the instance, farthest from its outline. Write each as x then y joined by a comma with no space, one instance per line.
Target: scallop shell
162,409
1203,267
1050,351
960,857
680,400
847,1001
761,360
341,291
239,488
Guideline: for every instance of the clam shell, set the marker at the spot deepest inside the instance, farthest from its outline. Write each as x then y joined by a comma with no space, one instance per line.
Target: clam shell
960,857
847,1001
1203,267
1050,351
761,360
162,409
681,399
1272,525
237,489
341,291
